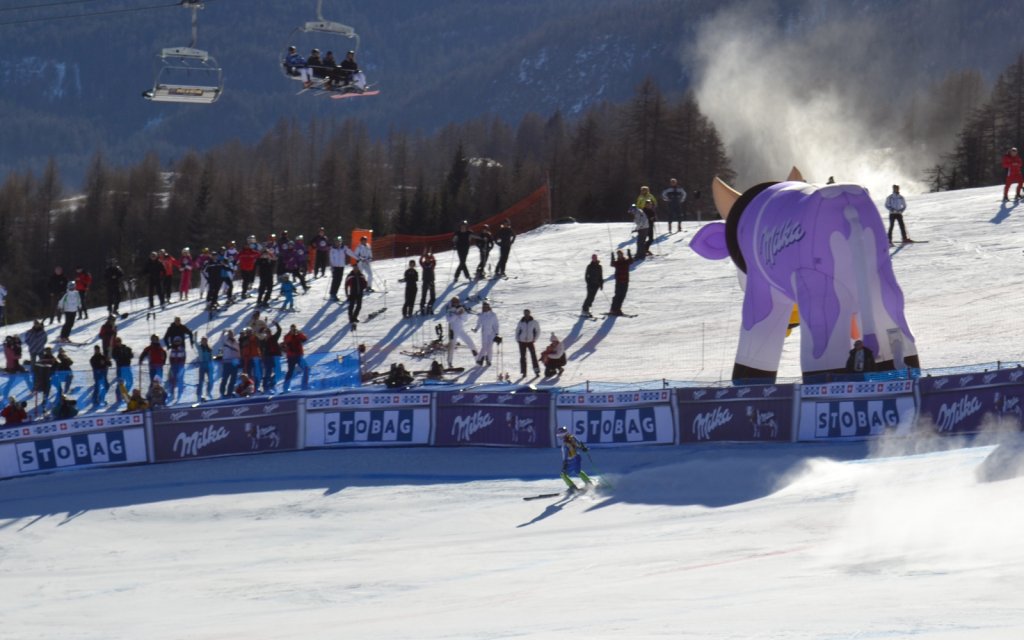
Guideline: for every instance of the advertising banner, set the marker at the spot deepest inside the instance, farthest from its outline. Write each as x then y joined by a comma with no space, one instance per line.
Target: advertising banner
520,419
73,450
736,414
84,424
856,410
964,403
368,419
224,430
618,418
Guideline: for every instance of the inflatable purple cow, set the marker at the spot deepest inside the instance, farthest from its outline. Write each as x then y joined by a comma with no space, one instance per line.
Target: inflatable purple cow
823,248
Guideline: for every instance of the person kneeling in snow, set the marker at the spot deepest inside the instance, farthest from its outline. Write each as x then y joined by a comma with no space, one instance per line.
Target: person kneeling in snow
553,357
572,463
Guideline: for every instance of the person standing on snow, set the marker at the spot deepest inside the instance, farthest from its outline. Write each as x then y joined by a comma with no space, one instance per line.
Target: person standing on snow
1013,163
675,196
594,277
896,206
83,280
322,246
69,306
157,357
57,285
527,332
456,317
113,276
364,254
649,204
185,266
337,257
643,231
572,462
410,279
461,240
266,265
504,239
429,264
621,265
295,355
487,325
3,303
484,242
355,287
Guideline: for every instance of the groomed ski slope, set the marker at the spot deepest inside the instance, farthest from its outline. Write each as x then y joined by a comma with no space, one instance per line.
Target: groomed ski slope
710,541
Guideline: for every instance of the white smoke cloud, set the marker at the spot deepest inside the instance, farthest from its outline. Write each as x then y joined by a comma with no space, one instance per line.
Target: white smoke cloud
819,93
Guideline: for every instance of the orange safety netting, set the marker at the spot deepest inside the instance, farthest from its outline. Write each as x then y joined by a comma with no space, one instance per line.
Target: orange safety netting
529,213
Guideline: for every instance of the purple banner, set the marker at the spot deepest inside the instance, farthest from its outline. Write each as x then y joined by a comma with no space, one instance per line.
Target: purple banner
736,414
224,430
963,403
499,419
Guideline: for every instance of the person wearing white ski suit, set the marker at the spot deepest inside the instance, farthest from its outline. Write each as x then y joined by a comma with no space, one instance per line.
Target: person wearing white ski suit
364,254
487,325
456,316
69,306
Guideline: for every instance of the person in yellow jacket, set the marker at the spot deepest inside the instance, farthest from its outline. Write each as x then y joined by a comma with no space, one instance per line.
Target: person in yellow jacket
648,203
572,463
136,401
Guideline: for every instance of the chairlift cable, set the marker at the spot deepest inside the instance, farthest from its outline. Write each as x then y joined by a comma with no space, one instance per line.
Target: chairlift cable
44,6
92,14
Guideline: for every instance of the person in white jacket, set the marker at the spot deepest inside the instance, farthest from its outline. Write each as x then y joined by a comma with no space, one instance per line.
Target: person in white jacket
364,254
487,325
337,257
643,230
527,332
456,316
69,305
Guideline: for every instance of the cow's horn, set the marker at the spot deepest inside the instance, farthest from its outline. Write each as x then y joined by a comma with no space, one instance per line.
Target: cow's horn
724,195
795,176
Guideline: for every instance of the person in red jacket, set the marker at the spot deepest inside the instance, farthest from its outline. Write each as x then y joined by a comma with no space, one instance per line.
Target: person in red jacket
83,280
14,413
247,258
293,351
1012,163
156,355
168,264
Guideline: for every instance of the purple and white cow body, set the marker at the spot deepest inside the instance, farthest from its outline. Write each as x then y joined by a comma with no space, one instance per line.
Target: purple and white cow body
825,249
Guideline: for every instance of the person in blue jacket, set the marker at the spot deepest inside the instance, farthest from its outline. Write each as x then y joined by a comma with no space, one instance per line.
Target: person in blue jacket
572,462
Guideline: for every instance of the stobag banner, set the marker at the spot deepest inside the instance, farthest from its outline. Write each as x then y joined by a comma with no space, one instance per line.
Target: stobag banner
736,414
519,419
368,419
856,410
72,444
965,403
618,418
225,430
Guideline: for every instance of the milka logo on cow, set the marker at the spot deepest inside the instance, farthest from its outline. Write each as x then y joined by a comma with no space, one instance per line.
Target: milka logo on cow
829,243
775,239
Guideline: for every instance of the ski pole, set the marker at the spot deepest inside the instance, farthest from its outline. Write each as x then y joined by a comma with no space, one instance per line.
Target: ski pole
600,474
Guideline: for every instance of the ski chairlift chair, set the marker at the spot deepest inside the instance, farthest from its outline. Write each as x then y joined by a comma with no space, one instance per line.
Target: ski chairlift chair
318,26
187,74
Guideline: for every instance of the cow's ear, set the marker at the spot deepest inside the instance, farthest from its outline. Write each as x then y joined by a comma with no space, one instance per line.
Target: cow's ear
724,196
795,176
710,243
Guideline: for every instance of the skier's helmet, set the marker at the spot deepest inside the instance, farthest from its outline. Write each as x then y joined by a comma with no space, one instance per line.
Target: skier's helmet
563,430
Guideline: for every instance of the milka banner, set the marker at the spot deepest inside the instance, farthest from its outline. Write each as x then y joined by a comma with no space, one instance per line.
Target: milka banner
87,448
368,419
856,410
513,419
630,417
736,414
224,430
963,403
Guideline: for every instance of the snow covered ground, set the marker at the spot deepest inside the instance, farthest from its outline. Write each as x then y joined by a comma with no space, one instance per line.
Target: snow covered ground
710,541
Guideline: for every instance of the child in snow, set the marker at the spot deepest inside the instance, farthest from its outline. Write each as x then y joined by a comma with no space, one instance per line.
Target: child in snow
287,292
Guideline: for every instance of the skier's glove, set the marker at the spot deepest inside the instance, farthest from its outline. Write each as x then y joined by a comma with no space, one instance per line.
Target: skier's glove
584,447
497,339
